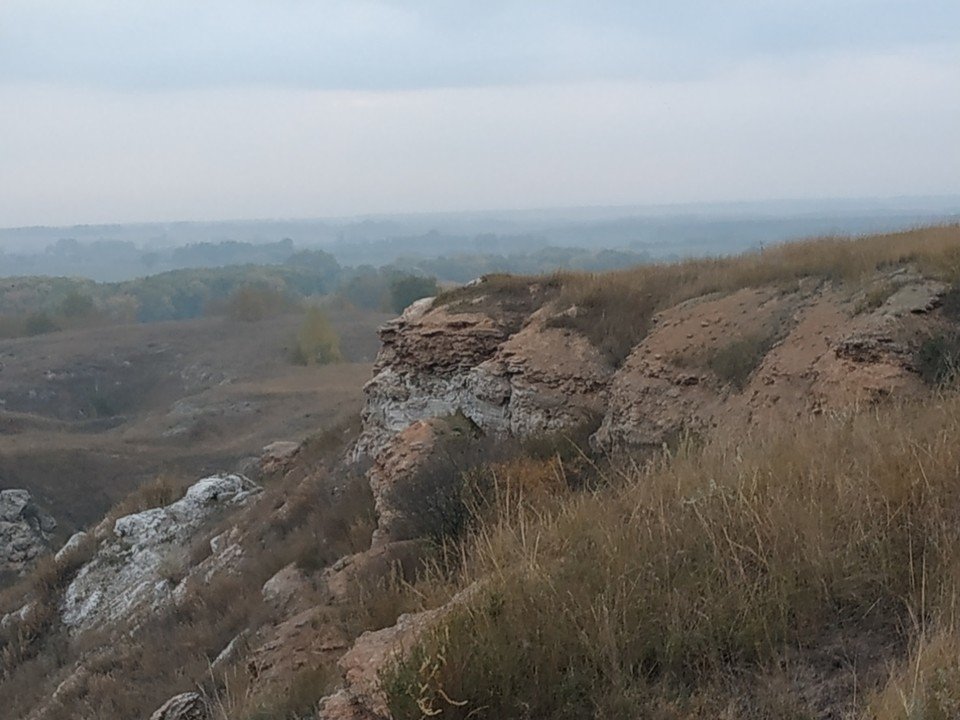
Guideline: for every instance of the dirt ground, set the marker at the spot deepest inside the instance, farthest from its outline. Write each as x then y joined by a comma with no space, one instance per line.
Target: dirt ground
87,416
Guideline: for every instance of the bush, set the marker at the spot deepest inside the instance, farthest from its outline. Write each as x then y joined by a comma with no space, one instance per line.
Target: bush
733,363
437,501
251,303
162,490
77,305
317,342
410,288
39,323
937,359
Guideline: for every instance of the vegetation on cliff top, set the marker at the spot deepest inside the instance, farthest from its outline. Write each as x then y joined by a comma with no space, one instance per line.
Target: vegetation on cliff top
615,309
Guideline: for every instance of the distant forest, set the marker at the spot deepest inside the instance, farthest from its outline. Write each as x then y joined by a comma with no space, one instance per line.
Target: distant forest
458,246
57,278
35,304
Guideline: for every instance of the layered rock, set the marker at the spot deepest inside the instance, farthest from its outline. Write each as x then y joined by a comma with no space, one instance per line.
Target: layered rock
24,531
824,355
134,568
438,361
186,706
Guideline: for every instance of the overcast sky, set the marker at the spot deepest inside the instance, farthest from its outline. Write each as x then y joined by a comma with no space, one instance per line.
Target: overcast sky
125,110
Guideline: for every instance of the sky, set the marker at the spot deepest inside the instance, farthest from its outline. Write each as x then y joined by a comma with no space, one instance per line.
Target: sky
137,110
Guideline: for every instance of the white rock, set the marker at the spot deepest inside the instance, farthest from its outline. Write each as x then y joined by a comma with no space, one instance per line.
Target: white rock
70,546
126,574
24,530
186,706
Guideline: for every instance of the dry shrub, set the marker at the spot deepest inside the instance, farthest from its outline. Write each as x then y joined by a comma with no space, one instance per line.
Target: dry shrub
734,362
300,698
927,685
162,490
937,358
702,566
39,593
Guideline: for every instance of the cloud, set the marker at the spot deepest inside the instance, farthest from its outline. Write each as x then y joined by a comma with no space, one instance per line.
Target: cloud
385,45
838,127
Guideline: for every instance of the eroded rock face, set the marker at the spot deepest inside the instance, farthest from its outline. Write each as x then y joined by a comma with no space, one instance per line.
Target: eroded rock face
667,386
132,569
361,696
436,362
24,531
821,348
186,706
826,355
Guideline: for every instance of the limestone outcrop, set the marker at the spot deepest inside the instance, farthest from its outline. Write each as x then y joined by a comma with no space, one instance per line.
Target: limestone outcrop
24,531
438,361
135,567
186,706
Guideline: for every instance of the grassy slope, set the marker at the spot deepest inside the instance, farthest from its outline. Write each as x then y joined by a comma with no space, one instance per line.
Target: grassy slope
719,580
713,583
680,589
616,308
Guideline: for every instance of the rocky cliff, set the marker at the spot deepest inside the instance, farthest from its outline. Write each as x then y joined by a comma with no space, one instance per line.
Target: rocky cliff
750,356
24,531
300,562
764,354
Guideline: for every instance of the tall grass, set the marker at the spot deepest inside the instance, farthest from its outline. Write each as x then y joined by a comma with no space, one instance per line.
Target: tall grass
703,566
615,309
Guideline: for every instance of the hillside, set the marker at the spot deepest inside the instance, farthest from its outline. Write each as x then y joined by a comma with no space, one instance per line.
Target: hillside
721,488
89,415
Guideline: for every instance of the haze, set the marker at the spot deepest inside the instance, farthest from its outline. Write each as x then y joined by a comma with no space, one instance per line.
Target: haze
127,111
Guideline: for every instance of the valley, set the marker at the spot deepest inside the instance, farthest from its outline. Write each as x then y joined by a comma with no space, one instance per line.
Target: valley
89,415
714,488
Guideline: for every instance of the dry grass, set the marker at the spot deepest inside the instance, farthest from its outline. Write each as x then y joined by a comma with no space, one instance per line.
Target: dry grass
307,515
702,567
162,490
616,308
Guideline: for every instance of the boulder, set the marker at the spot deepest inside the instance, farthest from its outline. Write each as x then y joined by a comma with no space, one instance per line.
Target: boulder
24,531
186,706
71,546
276,455
129,570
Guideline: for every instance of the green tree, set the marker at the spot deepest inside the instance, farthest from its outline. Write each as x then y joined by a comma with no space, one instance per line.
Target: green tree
317,341
250,303
76,305
410,288
39,323
367,288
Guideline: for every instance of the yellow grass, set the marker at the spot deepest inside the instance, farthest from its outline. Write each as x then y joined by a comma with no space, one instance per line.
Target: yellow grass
615,308
662,592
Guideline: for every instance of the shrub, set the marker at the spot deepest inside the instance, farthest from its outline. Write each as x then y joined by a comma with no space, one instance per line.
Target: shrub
732,363
436,502
300,698
937,359
316,342
250,303
39,323
162,490
410,288
77,305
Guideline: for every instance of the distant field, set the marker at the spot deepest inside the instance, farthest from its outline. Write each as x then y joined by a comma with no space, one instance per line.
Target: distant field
86,416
